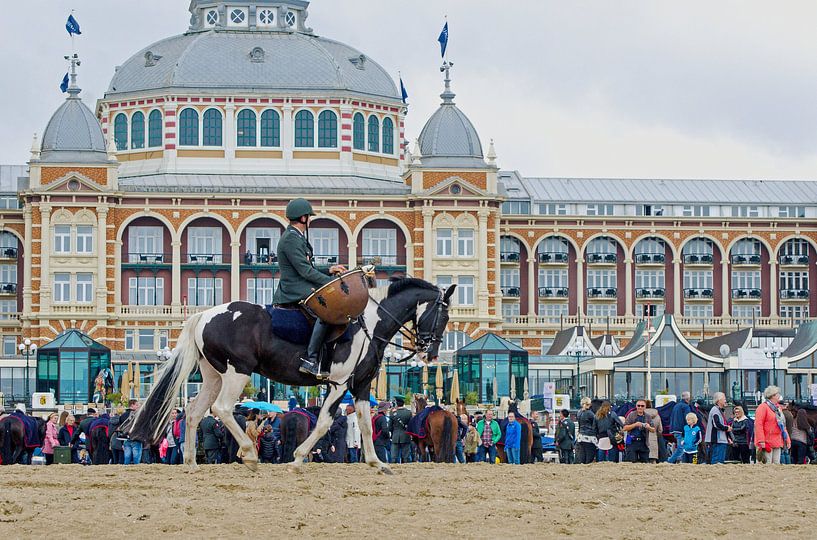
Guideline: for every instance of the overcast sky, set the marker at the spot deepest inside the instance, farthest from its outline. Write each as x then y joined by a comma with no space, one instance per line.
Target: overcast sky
650,88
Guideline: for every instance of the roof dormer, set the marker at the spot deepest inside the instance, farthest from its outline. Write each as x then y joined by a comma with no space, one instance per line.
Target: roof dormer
255,15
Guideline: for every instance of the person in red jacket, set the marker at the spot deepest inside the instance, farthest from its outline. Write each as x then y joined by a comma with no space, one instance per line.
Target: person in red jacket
770,428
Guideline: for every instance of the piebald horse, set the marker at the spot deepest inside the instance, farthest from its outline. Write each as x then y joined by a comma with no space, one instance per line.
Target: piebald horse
232,341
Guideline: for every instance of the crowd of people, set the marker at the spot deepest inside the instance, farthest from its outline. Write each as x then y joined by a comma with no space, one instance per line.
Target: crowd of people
776,435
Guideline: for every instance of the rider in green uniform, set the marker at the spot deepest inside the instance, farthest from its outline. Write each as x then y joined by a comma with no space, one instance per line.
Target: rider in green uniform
299,277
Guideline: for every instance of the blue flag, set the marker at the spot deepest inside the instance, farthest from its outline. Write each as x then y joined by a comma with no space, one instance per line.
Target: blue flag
72,26
403,90
443,39
64,84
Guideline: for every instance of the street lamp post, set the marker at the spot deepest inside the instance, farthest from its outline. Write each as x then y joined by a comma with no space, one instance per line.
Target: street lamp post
578,349
773,352
27,349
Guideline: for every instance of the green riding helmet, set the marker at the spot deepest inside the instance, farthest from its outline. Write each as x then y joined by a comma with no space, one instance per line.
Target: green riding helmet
298,208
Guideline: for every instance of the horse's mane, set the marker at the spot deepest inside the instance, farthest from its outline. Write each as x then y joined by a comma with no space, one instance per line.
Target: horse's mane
399,285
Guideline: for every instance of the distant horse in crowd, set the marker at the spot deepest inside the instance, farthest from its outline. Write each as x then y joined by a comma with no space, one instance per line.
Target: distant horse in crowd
440,427
13,442
296,425
811,411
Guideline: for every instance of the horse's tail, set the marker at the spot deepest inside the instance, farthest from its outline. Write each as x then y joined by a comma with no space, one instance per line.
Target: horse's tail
7,452
152,418
289,432
447,445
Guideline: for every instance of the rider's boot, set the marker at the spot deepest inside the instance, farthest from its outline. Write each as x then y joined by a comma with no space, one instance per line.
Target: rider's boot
311,364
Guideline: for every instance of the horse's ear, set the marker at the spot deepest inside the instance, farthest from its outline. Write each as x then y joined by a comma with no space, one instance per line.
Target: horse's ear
449,292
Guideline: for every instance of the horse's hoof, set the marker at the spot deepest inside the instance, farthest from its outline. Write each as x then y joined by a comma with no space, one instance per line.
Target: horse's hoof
386,470
251,463
192,469
294,467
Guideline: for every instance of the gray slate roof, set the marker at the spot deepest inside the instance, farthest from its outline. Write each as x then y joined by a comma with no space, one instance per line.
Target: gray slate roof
449,139
651,191
73,135
221,60
226,183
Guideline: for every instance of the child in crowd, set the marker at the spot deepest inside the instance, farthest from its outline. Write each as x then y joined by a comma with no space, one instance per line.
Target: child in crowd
692,437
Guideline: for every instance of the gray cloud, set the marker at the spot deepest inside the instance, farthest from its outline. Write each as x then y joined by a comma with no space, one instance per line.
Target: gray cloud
585,88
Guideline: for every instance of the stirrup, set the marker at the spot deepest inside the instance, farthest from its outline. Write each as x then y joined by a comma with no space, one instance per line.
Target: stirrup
315,371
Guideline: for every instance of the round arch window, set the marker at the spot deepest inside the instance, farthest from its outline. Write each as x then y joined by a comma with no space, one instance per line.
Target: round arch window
456,189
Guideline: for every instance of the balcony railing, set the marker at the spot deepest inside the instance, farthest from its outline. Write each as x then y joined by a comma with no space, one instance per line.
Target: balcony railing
649,258
206,258
511,292
595,292
627,323
8,252
146,310
553,257
380,260
746,294
260,258
601,258
650,293
325,260
745,259
147,258
698,258
794,294
699,293
793,260
553,292
8,288
509,256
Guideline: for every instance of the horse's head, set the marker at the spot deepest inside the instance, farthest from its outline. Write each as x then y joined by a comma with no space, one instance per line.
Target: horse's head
431,324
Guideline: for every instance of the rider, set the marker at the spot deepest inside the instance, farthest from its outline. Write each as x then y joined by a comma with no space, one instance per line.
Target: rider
300,278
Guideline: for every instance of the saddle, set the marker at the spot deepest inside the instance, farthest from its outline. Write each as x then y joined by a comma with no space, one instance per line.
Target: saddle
295,326
417,425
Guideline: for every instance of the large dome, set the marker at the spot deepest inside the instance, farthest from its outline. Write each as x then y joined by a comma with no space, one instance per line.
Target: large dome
252,62
73,134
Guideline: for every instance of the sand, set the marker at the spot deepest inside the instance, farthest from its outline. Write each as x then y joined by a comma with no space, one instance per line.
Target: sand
428,501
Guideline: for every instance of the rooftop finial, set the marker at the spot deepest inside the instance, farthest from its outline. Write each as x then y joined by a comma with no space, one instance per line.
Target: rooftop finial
73,89
447,95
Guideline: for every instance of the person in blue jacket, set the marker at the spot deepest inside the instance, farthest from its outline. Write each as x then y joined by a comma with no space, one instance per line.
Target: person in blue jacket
513,439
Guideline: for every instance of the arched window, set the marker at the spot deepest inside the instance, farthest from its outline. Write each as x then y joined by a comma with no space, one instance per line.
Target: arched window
304,130
155,129
120,131
359,132
270,129
246,128
189,128
212,127
374,134
137,131
327,130
388,136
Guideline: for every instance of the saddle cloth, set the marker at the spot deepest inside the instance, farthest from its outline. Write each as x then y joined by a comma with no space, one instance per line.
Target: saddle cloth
32,435
417,424
292,325
311,418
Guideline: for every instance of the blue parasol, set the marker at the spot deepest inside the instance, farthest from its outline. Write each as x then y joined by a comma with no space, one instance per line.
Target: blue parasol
348,399
264,406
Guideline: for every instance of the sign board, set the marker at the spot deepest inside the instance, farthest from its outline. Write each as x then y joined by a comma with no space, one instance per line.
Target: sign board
752,359
561,401
548,396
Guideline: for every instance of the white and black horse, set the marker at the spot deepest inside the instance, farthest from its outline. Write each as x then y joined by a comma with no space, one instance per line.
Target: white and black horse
232,341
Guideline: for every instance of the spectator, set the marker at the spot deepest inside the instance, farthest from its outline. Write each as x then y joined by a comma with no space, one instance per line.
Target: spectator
677,425
691,438
658,449
770,428
274,422
251,428
66,435
381,435
179,427
170,436
801,435
116,439
352,434
785,454
741,435
50,440
607,425
638,427
262,395
586,449
85,424
211,433
400,440
229,446
536,450
513,439
462,433
489,434
337,438
132,448
565,435
266,445
471,441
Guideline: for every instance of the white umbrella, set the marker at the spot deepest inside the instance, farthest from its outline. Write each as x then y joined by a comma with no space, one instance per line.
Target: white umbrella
513,387
438,383
455,387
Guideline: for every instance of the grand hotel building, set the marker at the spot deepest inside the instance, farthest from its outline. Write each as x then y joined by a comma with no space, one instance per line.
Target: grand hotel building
169,197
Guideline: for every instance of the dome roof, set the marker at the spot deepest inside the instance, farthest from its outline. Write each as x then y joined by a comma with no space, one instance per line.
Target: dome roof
73,135
257,61
449,139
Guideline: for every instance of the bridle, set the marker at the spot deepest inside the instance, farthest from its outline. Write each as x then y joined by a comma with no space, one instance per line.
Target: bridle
423,340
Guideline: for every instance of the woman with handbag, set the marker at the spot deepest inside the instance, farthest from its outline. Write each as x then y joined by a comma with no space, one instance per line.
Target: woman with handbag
587,433
607,426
